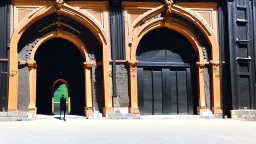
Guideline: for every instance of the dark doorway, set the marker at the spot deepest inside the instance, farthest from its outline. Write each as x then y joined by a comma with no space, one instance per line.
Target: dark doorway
59,59
167,79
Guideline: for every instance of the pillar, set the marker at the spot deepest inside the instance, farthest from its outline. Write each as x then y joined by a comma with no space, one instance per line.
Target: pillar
201,89
32,86
108,108
215,76
13,80
88,110
134,109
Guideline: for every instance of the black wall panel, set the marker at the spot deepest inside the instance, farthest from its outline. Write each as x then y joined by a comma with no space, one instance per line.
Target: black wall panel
4,52
241,16
117,29
117,37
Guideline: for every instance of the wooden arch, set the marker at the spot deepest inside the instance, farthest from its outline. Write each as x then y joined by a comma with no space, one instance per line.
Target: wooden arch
159,23
186,14
83,18
147,22
64,35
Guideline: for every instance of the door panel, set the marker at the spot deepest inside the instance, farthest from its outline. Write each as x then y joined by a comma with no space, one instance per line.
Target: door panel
182,92
165,91
141,89
157,93
173,107
189,91
147,98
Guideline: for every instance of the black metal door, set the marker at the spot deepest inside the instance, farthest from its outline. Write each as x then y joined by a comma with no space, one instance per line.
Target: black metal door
4,52
3,84
164,90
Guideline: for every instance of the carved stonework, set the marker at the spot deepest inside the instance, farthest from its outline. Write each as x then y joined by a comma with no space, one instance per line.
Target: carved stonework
200,66
215,67
88,65
133,68
59,4
109,73
31,64
150,19
169,4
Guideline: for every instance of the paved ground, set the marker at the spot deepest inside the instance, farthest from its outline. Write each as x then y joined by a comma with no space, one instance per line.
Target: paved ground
146,131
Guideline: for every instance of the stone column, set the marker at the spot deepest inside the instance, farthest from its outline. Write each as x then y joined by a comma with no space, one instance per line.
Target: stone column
108,107
134,109
201,90
88,110
13,80
32,86
215,75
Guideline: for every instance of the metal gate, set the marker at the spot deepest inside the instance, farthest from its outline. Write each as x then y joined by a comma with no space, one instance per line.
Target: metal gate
164,89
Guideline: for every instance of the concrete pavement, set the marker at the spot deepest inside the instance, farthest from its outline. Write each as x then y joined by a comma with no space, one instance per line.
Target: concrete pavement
143,131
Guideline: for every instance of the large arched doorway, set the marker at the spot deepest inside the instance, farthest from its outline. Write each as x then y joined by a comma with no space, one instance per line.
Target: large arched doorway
167,79
59,59
67,22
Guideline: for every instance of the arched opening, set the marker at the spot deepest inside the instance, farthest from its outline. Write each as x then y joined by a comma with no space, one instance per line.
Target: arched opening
56,47
59,59
60,88
167,78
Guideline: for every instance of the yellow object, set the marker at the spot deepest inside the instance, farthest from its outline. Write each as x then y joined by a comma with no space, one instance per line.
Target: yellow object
69,108
52,105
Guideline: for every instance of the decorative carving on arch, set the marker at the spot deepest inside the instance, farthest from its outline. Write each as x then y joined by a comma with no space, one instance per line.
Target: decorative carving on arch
83,18
169,4
59,4
187,14
198,34
182,16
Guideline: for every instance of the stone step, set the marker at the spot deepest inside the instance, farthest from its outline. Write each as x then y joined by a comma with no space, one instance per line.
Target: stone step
123,116
40,116
170,117
6,119
246,114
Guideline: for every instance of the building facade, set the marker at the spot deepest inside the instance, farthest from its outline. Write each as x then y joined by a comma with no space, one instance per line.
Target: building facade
158,57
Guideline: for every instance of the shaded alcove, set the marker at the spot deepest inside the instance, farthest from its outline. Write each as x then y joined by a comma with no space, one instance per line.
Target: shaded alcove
167,78
59,59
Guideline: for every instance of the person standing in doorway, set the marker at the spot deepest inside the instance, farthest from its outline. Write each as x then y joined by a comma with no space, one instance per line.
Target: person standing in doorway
63,106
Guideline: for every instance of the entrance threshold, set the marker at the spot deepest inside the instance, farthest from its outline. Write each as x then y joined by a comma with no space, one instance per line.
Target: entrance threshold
169,117
41,116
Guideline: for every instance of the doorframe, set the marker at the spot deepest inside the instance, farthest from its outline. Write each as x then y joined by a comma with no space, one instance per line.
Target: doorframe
152,20
69,99
99,31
